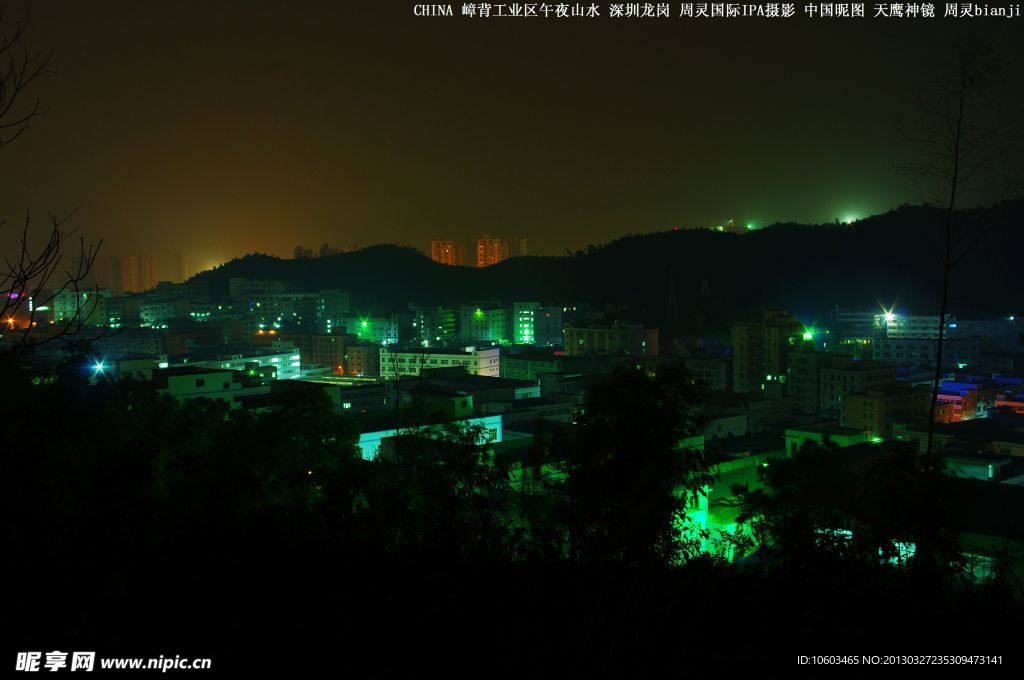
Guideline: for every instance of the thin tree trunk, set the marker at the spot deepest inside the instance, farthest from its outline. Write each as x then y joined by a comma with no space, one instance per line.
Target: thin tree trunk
947,263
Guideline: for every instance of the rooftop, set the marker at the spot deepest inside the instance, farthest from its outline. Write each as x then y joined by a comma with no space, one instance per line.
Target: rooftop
833,429
983,430
461,351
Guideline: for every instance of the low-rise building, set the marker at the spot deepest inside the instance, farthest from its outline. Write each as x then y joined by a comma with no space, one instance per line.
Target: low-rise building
875,411
382,330
485,324
375,431
715,373
823,433
349,396
185,383
603,338
803,376
284,364
362,359
395,363
852,378
957,352
1002,436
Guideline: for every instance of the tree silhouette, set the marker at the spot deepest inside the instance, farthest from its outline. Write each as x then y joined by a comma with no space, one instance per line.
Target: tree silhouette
19,68
35,275
855,513
437,493
968,152
630,478
796,514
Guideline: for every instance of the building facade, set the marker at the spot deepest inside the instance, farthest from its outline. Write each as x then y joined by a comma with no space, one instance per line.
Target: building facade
601,338
446,252
760,348
854,378
395,363
490,251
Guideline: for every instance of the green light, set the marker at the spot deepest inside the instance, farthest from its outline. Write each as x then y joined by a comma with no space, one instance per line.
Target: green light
364,324
877,440
750,226
808,335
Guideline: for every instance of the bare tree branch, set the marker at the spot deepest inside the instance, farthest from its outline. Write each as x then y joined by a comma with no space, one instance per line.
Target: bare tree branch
963,146
19,69
37,275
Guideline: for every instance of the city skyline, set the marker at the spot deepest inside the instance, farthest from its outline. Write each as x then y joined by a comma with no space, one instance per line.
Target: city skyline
520,336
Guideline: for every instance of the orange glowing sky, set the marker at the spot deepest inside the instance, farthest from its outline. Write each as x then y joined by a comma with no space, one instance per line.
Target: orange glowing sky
219,128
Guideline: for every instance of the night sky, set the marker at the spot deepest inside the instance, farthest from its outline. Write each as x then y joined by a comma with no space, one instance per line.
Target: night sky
218,128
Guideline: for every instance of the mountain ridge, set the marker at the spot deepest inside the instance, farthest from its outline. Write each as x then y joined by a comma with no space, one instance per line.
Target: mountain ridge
884,260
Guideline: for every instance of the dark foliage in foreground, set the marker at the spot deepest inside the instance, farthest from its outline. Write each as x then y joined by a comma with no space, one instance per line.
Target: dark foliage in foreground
136,527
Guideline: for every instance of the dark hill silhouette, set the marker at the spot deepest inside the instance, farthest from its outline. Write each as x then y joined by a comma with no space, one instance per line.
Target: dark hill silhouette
808,269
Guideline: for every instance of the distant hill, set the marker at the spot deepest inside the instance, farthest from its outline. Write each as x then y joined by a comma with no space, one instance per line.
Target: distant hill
808,269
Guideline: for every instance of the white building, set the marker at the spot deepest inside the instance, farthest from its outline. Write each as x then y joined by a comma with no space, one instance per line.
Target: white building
187,383
894,325
396,363
370,441
287,362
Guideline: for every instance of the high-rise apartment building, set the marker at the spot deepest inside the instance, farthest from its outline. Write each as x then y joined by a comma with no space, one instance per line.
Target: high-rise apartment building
179,268
517,247
135,274
446,252
106,273
490,251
